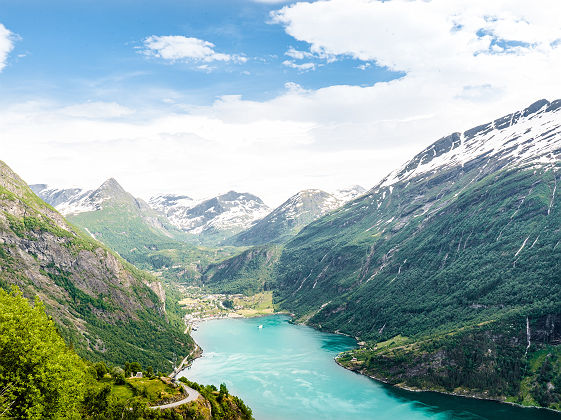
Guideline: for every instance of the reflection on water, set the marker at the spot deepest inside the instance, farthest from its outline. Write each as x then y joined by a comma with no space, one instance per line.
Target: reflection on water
286,371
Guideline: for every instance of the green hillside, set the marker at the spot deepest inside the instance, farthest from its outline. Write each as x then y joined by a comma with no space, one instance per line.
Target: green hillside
461,263
104,307
40,378
143,236
250,272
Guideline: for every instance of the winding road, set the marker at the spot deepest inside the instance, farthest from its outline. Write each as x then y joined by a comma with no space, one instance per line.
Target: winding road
192,395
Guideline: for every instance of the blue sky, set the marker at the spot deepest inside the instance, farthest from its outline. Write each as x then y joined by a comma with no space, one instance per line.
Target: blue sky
89,50
199,97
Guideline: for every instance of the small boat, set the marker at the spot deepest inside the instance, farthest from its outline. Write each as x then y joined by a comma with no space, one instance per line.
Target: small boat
260,326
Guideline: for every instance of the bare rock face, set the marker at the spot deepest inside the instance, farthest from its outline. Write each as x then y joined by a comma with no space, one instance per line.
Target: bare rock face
94,296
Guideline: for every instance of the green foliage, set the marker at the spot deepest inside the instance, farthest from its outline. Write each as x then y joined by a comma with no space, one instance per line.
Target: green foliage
100,369
388,271
148,339
224,405
248,273
118,375
125,228
41,377
124,322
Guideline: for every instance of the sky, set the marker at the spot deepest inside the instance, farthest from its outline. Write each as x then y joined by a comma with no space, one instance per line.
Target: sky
270,97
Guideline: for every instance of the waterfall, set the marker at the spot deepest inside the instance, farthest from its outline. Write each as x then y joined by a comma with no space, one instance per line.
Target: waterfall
528,334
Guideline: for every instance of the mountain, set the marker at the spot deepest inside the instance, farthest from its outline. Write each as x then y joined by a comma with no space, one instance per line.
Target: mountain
128,225
466,200
287,219
66,201
249,272
75,201
106,308
447,269
214,219
347,194
170,203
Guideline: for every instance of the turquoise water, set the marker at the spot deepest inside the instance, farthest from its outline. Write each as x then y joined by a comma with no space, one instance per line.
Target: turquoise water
285,371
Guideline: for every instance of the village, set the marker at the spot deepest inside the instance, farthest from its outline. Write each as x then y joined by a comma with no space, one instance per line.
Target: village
200,305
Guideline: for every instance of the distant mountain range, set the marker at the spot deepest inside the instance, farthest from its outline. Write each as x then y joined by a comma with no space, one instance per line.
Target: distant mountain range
299,210
217,218
209,221
128,225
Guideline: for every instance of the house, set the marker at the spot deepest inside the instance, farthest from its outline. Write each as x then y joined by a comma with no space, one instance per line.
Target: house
138,375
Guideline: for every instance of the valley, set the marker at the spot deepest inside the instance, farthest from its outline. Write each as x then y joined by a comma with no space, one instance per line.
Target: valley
457,249
280,210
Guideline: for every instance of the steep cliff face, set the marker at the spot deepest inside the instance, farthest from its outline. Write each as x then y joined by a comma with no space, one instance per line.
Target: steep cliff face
104,306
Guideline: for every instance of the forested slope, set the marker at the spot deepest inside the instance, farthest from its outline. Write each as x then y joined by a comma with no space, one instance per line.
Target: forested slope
106,308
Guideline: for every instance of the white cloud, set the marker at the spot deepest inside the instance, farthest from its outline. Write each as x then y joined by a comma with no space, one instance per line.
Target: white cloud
297,54
301,66
318,54
195,154
464,63
324,138
181,48
415,35
6,45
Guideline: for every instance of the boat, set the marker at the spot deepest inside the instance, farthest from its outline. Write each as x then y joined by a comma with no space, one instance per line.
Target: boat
260,326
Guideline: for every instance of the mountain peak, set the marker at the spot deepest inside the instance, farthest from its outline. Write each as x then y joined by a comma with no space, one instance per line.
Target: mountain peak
111,185
111,190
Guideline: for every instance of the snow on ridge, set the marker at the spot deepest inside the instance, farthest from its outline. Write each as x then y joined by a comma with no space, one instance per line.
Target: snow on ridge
228,211
163,202
71,200
347,194
525,139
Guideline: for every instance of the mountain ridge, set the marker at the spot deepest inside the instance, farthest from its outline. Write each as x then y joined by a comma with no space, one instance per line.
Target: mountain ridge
215,218
287,219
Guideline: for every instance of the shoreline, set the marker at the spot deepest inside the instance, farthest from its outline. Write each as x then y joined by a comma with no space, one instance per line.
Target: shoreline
234,315
453,394
199,353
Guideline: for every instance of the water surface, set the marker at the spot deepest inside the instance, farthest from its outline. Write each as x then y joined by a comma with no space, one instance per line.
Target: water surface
287,372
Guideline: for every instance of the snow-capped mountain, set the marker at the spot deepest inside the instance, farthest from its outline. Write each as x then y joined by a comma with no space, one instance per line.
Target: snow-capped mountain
112,215
72,201
287,219
347,194
168,203
475,216
223,215
66,200
526,137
